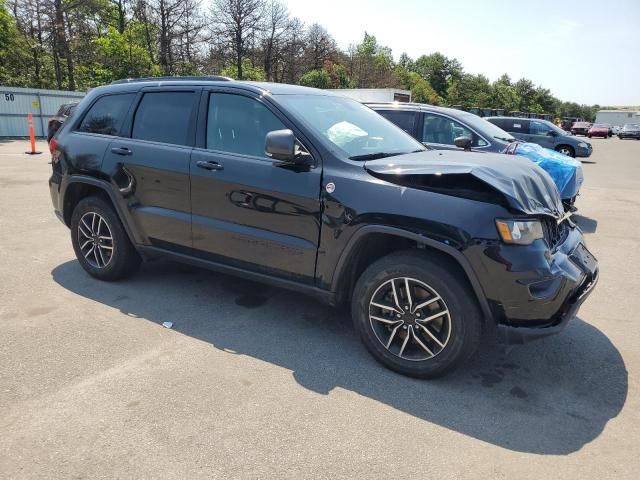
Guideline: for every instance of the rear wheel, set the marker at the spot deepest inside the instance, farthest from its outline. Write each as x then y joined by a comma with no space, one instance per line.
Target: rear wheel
566,150
100,242
415,315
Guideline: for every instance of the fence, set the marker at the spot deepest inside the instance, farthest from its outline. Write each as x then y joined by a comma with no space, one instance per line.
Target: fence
16,103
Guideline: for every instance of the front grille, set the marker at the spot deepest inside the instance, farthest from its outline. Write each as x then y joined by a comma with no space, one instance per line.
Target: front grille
555,233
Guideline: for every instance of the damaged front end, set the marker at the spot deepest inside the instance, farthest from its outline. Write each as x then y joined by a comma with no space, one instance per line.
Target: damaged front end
536,270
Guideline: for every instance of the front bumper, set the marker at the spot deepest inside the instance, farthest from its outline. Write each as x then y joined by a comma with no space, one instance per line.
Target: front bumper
584,152
533,290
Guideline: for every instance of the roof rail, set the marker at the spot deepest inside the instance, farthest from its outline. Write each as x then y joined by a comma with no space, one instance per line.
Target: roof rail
216,78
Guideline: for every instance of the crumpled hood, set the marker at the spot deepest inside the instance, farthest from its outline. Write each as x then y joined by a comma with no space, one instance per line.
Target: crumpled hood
525,186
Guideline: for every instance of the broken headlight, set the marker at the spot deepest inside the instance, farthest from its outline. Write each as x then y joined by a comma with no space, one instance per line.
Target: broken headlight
519,232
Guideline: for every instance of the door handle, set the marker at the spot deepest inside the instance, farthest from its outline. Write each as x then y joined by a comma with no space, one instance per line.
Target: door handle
121,151
209,165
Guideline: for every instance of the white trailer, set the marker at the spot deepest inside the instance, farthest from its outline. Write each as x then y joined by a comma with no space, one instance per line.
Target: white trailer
375,95
618,117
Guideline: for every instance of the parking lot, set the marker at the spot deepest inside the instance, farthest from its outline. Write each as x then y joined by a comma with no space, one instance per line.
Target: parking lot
254,381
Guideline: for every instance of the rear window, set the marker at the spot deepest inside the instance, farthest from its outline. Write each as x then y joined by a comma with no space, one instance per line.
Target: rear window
107,114
405,120
164,117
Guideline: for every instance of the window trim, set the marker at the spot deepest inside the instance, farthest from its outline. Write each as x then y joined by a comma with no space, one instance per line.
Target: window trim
430,112
76,126
203,114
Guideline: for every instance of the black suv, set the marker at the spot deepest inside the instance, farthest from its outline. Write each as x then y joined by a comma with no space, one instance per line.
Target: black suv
315,192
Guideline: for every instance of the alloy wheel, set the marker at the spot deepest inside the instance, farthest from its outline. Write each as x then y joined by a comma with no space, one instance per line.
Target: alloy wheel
565,151
95,239
410,319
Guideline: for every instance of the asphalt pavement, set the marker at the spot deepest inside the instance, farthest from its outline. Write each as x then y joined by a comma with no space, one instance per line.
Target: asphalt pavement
256,382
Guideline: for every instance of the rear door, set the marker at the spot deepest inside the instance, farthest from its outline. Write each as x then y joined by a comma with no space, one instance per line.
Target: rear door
249,210
404,119
517,127
150,164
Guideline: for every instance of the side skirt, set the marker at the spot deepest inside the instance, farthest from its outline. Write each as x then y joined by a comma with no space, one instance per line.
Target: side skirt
320,294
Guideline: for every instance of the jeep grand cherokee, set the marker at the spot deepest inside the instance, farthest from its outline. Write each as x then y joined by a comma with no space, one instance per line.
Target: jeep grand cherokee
314,192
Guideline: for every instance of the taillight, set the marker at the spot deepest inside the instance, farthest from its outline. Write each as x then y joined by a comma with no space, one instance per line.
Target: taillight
55,153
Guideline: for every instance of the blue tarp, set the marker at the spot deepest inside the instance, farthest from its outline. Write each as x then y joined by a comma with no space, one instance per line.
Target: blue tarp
565,171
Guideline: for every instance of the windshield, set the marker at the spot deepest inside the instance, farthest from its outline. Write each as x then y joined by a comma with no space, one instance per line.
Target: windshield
485,127
631,126
358,132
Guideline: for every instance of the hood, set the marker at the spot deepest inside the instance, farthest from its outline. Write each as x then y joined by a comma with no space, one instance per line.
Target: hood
524,186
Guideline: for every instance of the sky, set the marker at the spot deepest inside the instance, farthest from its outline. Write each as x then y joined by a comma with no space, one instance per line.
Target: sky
587,51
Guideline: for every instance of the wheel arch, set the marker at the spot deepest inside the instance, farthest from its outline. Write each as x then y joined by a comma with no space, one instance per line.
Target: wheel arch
82,186
374,241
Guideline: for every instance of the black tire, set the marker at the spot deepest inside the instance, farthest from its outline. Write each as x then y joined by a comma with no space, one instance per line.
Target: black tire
464,326
567,148
124,259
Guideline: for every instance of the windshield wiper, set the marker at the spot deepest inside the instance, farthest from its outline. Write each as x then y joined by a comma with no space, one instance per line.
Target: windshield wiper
377,155
504,139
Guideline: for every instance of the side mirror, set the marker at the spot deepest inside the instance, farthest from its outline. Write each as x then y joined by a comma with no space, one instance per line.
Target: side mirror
463,143
551,133
281,145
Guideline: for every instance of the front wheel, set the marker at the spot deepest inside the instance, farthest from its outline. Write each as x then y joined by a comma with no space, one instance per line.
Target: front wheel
566,150
100,242
415,315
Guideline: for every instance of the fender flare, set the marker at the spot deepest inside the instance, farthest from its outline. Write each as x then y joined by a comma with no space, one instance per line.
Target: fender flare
452,252
118,203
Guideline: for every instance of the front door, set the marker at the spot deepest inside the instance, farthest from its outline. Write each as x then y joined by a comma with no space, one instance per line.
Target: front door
541,133
248,210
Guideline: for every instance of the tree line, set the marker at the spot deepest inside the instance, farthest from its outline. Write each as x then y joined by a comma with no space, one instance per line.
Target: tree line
80,44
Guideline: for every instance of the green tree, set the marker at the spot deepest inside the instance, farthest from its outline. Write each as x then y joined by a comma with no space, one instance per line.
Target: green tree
439,71
470,91
316,79
249,71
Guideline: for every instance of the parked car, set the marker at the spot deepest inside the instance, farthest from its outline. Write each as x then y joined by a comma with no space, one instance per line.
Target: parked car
580,128
630,130
444,128
56,121
439,127
598,130
545,134
315,192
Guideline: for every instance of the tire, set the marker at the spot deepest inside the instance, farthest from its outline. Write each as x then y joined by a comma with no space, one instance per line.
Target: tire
589,136
453,316
92,223
566,150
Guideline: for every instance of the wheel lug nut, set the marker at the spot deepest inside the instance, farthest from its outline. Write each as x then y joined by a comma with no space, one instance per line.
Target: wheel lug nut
398,315
406,307
404,327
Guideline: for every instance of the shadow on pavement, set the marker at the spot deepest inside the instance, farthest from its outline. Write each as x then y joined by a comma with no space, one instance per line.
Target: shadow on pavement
551,396
586,224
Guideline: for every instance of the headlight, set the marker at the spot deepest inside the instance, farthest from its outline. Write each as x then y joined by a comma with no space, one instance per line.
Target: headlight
519,232
583,145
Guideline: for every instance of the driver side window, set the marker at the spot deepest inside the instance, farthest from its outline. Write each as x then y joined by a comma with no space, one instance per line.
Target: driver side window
239,124
538,128
443,130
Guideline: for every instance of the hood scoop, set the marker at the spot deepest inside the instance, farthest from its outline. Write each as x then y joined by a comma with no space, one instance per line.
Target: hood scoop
484,177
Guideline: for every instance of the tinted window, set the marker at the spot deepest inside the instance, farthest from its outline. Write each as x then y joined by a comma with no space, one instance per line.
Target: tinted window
238,124
444,130
538,128
107,114
164,117
516,125
405,120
